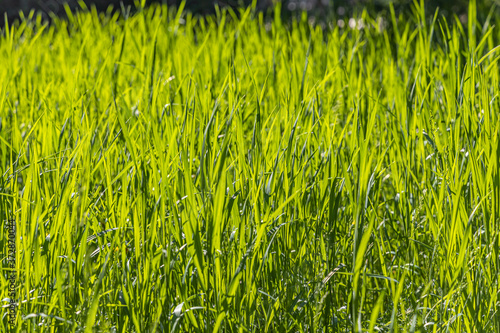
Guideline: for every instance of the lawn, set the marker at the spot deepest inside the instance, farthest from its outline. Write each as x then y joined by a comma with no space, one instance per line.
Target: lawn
243,173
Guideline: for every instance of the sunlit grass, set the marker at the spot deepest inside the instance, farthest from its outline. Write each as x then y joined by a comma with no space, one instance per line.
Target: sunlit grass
176,174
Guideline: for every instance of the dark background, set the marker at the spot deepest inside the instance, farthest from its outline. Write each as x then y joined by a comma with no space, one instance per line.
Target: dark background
319,8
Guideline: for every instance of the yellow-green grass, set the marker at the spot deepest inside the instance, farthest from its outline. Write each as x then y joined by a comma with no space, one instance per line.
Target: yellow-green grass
233,173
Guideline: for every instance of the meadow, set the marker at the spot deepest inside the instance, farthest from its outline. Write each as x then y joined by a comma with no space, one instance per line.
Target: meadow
244,173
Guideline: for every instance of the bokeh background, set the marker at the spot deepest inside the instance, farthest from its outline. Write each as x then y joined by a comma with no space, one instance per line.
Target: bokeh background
318,8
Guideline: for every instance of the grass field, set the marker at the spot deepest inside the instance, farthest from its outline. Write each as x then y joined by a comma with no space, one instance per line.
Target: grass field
241,174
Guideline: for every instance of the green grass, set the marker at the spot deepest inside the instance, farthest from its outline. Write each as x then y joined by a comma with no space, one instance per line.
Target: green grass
176,174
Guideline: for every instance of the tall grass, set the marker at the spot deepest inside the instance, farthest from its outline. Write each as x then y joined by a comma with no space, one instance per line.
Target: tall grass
177,174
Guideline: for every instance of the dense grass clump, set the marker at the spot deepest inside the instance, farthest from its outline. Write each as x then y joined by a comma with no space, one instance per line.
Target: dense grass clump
177,174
